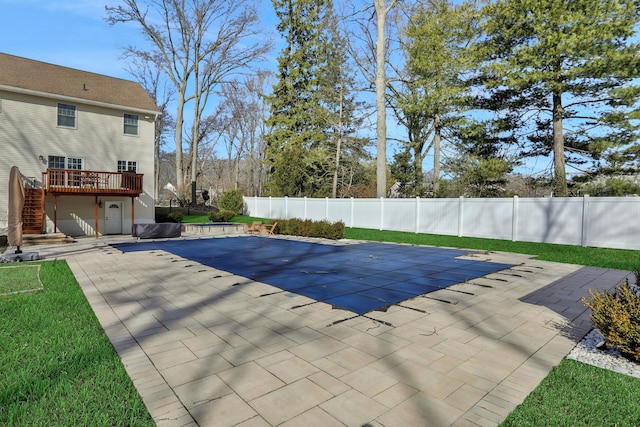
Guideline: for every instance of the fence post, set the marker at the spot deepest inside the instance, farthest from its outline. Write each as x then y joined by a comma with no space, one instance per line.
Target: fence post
514,220
351,213
326,209
305,208
255,206
585,220
417,214
270,210
381,213
460,215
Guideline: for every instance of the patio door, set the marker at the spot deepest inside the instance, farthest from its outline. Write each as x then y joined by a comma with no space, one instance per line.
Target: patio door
113,218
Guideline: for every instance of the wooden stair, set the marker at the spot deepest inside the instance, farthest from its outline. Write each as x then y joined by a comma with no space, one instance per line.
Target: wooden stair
33,211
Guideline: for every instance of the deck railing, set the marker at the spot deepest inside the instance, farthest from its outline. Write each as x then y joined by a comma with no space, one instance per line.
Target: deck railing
86,182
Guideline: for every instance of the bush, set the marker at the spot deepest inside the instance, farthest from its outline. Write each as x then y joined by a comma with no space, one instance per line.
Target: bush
169,216
309,228
617,316
176,217
231,200
221,216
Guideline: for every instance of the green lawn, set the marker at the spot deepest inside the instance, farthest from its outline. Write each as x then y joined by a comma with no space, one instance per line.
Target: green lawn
575,394
57,366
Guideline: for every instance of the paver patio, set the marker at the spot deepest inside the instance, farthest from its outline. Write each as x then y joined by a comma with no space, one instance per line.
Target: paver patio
208,348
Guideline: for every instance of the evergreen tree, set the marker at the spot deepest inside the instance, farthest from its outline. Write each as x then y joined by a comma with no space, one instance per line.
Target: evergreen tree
568,68
481,165
440,40
298,148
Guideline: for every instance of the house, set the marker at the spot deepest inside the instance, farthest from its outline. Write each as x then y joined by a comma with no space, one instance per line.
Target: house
84,144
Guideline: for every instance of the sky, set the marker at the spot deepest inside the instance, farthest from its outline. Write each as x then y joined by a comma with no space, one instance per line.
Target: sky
72,34
75,34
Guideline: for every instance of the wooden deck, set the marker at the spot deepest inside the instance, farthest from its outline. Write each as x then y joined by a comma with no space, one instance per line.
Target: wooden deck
91,183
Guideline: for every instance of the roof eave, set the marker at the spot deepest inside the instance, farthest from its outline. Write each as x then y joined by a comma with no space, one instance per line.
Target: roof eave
72,99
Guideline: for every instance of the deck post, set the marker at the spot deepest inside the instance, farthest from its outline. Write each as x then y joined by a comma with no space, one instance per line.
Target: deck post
97,212
55,213
133,199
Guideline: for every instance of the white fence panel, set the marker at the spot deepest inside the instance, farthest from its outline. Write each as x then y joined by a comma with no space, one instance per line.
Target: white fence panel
367,213
279,207
316,209
488,218
295,208
399,215
550,220
340,210
438,216
613,223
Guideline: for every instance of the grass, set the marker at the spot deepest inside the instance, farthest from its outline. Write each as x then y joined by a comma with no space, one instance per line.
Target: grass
575,394
58,367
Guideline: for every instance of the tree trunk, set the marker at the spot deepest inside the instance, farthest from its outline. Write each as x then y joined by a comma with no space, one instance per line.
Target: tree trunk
334,189
179,162
560,177
156,158
381,118
436,154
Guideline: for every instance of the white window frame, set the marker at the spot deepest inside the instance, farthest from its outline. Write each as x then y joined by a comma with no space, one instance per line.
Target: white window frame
127,166
66,112
131,122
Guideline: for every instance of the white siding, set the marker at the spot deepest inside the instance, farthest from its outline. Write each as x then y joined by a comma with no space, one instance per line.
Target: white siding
28,129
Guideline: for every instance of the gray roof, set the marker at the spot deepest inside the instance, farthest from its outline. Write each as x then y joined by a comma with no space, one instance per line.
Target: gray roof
27,74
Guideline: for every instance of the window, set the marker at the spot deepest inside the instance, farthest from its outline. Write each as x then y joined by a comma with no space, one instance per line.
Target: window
57,162
130,124
127,166
67,115
62,177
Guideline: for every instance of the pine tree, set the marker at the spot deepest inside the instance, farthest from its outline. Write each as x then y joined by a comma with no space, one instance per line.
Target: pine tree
298,151
440,38
568,67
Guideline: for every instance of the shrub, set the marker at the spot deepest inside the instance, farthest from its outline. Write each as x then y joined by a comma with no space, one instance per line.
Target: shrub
309,228
176,217
231,200
221,216
169,216
617,316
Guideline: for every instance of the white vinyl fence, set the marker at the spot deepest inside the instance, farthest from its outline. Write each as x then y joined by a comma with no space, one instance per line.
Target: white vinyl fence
610,222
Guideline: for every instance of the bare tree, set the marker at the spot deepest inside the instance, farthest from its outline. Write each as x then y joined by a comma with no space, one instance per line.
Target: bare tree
197,44
364,47
244,111
382,9
150,77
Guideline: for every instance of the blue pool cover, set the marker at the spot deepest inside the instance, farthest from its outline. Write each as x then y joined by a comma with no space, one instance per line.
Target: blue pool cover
356,277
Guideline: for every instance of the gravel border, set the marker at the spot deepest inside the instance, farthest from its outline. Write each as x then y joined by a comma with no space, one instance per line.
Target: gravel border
592,352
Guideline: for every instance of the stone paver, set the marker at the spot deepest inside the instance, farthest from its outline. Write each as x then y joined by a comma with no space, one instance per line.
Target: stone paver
207,348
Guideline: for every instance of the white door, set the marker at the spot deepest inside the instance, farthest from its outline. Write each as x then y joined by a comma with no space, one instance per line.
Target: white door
113,218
